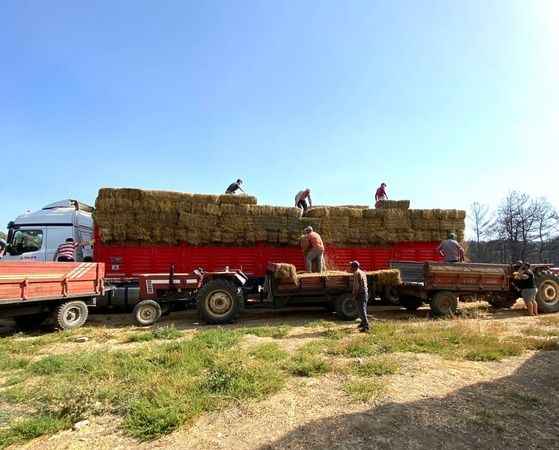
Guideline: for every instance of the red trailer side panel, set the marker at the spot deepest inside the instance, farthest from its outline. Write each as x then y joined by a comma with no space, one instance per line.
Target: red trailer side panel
130,260
28,281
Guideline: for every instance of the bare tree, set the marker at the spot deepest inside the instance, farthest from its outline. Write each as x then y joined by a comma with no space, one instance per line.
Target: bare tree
547,225
516,224
481,223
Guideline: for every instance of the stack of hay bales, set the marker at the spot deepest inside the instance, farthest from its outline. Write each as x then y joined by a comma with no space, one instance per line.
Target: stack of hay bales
134,215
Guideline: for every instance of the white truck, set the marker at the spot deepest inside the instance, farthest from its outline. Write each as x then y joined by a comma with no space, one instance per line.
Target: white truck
35,236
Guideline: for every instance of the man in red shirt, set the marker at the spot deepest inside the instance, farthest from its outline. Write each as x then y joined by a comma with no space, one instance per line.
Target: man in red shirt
314,250
380,195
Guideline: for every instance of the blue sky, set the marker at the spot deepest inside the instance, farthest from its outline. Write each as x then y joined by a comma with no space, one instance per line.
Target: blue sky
448,102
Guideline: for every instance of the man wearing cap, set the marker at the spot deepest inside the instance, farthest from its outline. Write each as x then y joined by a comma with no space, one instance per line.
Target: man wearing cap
380,195
314,249
360,294
234,187
451,250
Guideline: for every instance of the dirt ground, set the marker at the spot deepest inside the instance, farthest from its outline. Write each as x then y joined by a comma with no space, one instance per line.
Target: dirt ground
430,403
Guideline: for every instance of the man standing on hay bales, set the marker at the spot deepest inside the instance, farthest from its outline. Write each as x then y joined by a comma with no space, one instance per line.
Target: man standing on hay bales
301,200
360,294
380,195
451,250
313,247
234,187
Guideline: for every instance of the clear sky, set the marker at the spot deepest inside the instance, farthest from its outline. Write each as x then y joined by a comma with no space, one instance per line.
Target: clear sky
447,101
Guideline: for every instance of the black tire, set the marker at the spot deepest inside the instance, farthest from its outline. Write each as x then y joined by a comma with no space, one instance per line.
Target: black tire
346,307
391,295
502,301
147,312
548,292
30,321
219,301
444,304
71,315
411,303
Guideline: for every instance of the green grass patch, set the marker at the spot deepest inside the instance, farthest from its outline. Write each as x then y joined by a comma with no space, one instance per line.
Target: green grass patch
364,390
376,367
167,332
307,365
451,341
154,388
268,352
276,332
23,430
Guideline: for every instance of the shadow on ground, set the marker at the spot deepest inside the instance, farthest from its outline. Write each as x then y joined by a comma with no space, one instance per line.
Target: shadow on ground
518,411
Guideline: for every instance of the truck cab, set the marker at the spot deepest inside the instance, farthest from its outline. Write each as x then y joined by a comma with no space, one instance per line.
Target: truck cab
35,236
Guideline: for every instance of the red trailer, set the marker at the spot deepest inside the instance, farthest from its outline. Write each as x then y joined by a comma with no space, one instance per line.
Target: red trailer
30,292
207,274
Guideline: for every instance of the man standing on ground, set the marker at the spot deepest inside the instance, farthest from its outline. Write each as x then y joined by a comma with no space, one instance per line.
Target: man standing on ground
314,250
234,187
3,246
526,282
380,195
301,200
451,250
360,294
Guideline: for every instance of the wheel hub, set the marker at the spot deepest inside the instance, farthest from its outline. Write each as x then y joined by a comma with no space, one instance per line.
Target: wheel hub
220,302
72,315
549,292
147,313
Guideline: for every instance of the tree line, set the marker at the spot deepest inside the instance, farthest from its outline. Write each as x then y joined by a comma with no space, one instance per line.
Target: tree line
520,228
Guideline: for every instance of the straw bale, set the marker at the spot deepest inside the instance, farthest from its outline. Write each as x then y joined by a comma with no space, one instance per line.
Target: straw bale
460,214
321,211
286,272
393,204
237,199
386,277
374,213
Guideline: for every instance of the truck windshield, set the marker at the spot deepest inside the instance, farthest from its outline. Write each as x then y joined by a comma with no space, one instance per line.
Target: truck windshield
23,241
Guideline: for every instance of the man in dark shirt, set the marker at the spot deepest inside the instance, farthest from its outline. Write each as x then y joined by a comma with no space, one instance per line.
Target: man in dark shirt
234,187
380,195
360,294
526,282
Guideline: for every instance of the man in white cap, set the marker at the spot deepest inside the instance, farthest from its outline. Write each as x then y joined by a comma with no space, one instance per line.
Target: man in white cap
451,250
314,250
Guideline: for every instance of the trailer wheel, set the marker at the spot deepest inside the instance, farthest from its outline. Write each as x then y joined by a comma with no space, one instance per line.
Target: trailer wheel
147,312
219,301
346,308
391,295
30,321
444,303
71,315
548,293
411,303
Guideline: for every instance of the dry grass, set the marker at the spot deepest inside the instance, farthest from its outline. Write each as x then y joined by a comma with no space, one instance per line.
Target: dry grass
162,382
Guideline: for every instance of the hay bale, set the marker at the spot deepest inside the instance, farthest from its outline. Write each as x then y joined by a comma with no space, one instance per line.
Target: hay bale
320,211
386,277
286,272
237,199
393,204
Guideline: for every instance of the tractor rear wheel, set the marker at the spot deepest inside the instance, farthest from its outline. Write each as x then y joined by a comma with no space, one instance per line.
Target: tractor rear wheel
548,292
219,301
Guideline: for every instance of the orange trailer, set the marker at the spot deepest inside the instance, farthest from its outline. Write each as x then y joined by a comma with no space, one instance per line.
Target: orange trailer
30,292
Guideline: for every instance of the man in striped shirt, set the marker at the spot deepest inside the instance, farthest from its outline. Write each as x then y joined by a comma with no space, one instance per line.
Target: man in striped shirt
66,252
